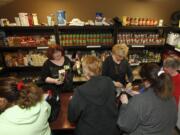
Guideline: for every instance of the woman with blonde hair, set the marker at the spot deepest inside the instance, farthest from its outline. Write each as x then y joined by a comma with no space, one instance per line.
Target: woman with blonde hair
93,106
117,67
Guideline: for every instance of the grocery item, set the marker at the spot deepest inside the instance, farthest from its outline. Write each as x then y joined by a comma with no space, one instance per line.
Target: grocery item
61,17
99,18
136,21
24,19
17,20
35,19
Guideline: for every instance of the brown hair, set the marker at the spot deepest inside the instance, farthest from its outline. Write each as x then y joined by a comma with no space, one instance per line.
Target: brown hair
172,62
52,49
161,84
91,65
28,96
121,50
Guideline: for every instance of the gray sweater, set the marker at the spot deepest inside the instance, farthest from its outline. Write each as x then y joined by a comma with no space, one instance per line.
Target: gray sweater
147,114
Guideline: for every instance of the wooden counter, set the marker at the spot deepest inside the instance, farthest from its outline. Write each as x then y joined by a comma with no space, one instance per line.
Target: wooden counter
62,122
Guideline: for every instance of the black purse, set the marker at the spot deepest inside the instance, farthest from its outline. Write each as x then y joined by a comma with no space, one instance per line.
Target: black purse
54,102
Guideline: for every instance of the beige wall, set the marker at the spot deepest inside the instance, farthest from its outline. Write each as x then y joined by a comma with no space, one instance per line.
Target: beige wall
86,9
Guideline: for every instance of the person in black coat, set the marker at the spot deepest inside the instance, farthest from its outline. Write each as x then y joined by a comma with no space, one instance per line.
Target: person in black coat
57,70
93,106
154,111
117,67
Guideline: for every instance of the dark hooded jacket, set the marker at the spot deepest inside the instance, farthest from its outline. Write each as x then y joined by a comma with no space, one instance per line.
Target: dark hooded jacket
93,108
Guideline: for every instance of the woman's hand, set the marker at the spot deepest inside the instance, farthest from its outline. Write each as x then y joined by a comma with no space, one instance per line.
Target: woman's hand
53,81
118,84
124,99
58,81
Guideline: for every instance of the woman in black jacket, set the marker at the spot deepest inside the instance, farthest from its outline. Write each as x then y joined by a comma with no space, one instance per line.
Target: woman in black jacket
57,70
117,67
93,107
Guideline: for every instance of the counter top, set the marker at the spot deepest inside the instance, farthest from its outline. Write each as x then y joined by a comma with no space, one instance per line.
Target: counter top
62,122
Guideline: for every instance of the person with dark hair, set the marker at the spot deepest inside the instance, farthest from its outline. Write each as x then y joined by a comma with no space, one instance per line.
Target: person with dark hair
93,106
23,110
57,70
154,111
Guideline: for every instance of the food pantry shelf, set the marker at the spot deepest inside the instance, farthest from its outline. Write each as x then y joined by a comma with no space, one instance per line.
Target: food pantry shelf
146,46
173,48
22,48
89,47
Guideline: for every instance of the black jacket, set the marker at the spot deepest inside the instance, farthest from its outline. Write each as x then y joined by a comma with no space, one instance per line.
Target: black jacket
147,114
93,108
117,72
50,69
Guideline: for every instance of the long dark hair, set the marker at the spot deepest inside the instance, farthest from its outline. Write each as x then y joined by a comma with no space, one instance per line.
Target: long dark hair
27,96
161,84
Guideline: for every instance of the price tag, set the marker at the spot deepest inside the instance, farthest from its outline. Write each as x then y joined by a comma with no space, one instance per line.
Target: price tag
93,46
137,46
42,47
135,64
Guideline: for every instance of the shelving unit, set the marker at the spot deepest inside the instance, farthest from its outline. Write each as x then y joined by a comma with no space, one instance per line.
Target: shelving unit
170,47
146,43
85,37
89,38
17,42
24,30
87,48
173,48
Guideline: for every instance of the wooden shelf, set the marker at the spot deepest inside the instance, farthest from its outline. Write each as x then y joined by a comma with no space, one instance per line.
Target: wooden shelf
172,48
88,47
174,29
141,28
146,46
17,28
22,48
31,30
86,27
